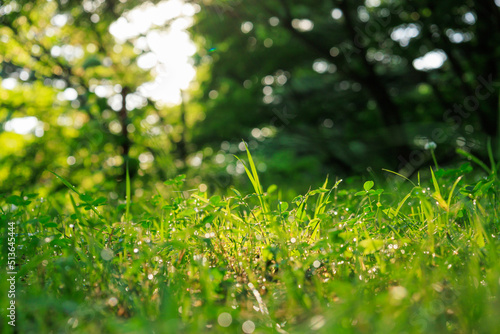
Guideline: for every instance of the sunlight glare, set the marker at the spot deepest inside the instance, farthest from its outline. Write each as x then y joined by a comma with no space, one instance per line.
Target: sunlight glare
22,125
170,49
404,33
430,61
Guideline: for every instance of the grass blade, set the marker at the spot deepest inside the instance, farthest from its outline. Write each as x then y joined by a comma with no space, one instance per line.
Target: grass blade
490,155
127,185
400,175
437,194
70,186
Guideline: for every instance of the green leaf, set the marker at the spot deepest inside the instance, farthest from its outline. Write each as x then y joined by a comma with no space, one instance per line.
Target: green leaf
297,199
86,198
17,200
237,193
283,206
99,201
180,178
475,159
215,200
44,219
187,212
272,188
90,62
208,219
371,245
368,185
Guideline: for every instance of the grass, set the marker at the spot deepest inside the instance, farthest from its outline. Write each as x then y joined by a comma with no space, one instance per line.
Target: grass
399,257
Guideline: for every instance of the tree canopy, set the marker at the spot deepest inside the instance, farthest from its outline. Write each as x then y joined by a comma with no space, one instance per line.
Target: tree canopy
347,82
315,88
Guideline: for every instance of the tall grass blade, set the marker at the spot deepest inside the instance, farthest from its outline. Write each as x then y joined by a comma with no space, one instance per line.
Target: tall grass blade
71,187
450,196
490,155
254,179
400,175
127,185
437,193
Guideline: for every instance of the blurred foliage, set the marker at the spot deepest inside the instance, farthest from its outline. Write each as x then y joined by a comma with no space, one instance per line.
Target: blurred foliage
329,88
335,81
60,67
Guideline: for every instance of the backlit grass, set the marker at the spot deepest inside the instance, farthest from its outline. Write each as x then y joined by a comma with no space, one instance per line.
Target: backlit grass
381,258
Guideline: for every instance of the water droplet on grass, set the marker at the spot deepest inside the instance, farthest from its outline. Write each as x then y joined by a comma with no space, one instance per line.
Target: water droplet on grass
248,326
73,322
107,254
317,322
112,301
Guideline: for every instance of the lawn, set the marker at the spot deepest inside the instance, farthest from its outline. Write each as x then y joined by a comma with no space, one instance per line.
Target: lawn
390,256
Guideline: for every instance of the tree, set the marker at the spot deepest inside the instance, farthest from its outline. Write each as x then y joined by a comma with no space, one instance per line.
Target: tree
84,87
351,83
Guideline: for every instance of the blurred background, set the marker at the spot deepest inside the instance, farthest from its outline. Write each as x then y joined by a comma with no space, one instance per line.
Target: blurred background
174,87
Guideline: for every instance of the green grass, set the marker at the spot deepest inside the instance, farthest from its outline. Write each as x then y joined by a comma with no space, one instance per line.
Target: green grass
381,258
